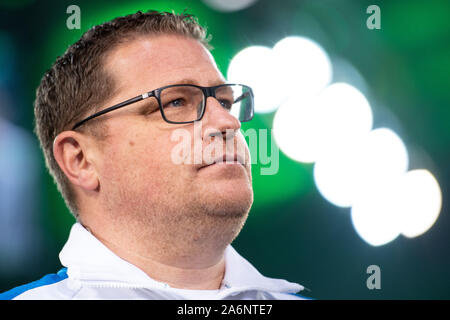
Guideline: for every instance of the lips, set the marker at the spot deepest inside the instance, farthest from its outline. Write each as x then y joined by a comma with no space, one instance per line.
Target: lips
226,158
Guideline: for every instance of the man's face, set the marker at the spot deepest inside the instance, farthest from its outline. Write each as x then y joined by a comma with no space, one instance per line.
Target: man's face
137,174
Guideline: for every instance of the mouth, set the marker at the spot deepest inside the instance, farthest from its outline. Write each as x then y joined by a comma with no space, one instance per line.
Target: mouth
227,159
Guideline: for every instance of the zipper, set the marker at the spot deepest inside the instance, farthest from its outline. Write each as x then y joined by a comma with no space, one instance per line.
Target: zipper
228,292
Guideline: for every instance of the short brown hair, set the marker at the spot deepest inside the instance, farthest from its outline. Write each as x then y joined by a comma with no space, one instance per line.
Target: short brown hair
77,83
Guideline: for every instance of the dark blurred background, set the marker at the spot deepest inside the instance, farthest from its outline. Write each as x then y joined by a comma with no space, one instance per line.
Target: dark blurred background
292,232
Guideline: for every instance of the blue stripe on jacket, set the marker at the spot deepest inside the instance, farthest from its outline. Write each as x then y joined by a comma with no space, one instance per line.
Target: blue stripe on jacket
303,297
44,281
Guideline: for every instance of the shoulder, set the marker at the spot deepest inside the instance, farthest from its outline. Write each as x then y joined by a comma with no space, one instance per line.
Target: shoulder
48,287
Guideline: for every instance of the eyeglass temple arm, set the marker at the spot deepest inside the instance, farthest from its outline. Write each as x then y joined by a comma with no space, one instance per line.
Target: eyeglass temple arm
114,107
241,97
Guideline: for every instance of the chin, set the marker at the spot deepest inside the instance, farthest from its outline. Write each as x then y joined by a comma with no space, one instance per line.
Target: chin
228,201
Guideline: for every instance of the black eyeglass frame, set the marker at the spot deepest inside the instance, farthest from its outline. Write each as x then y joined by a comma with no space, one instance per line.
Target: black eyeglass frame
207,92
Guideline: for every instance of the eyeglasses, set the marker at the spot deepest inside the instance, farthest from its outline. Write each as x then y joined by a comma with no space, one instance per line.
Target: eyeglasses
186,103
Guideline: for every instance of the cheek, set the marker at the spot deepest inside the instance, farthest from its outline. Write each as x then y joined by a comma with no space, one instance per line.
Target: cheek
140,163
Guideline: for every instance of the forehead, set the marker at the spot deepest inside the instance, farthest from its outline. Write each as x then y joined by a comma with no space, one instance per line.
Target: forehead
147,63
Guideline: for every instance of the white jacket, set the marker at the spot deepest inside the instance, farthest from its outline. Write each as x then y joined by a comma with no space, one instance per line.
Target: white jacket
92,271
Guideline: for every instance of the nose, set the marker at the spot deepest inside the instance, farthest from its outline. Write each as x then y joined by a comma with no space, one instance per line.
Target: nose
219,119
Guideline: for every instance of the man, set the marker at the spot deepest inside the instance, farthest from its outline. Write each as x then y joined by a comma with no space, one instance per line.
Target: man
149,226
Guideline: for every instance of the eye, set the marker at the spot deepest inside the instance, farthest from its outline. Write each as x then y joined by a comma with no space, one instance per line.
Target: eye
175,103
226,103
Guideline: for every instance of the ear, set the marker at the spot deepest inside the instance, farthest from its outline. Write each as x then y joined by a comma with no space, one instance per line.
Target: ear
71,152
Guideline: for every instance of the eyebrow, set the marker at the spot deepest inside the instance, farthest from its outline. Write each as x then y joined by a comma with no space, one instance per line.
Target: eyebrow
194,82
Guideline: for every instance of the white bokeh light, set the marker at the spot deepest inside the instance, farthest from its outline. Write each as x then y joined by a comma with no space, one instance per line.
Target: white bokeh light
351,169
331,125
295,128
344,114
307,127
375,215
408,204
421,202
303,66
296,67
229,5
254,66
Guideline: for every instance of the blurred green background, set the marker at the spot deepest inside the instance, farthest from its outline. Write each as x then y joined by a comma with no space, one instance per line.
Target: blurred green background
292,231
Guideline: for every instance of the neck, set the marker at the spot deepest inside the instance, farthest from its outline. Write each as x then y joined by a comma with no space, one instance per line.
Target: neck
193,259
187,272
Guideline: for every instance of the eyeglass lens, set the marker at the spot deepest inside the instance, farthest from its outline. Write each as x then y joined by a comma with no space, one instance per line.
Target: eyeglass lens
186,103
